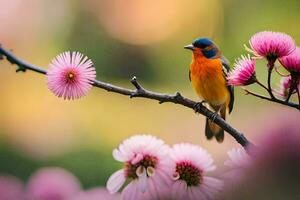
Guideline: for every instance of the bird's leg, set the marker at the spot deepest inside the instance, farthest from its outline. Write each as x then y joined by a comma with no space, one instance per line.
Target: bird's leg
215,114
198,105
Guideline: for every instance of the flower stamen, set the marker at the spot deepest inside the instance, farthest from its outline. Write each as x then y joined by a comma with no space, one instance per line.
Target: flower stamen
150,171
189,173
147,162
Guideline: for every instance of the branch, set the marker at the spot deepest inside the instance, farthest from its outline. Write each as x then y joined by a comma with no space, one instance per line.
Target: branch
273,98
293,105
140,92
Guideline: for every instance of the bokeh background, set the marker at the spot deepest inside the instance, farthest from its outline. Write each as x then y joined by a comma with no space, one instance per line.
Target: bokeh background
123,38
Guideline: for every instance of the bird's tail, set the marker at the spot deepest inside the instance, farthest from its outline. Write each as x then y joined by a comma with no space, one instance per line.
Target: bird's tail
214,130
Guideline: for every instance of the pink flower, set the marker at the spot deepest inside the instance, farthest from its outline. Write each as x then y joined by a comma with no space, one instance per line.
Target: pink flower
243,72
190,164
273,172
145,158
292,61
52,184
11,188
96,194
238,161
271,45
70,75
285,85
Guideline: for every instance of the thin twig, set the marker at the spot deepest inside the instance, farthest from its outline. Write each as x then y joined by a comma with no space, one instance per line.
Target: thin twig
262,85
293,105
270,68
298,93
272,98
140,92
293,86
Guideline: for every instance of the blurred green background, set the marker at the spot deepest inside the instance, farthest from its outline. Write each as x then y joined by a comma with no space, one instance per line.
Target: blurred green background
123,38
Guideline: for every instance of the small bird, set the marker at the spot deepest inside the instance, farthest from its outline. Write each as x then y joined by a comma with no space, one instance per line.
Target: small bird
207,73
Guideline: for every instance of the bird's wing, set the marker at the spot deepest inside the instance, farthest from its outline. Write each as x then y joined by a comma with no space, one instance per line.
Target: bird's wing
226,68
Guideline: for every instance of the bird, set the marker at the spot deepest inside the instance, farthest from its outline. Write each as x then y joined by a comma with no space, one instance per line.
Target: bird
207,73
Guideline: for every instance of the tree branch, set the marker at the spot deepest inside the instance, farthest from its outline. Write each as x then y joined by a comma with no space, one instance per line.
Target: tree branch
293,105
140,92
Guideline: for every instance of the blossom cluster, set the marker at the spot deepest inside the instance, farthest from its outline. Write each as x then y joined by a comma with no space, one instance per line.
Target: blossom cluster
271,46
153,171
156,171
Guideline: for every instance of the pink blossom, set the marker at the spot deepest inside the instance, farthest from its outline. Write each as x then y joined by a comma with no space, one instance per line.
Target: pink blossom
52,184
70,75
284,89
292,61
11,188
96,194
145,158
238,161
271,45
190,163
273,172
243,72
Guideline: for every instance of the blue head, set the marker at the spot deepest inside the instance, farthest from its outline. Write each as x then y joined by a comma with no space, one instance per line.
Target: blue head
205,46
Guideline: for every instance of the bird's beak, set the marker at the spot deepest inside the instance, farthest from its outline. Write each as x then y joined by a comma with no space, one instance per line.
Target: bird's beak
190,47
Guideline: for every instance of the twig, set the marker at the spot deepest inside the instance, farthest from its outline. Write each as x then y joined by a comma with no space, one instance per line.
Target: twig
272,98
262,85
298,94
140,92
293,105
270,68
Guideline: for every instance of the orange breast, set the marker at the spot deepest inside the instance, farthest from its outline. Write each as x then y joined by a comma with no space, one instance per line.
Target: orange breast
208,80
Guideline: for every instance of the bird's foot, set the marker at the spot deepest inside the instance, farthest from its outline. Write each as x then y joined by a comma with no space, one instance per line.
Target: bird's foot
198,106
214,116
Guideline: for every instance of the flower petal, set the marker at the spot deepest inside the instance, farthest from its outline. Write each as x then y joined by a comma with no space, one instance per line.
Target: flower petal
137,158
116,181
143,179
130,192
118,155
179,189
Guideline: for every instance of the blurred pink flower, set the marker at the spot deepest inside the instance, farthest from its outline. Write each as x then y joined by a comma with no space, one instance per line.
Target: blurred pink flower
238,157
145,159
96,194
292,61
271,45
11,188
285,84
273,172
189,165
238,161
243,72
70,75
52,184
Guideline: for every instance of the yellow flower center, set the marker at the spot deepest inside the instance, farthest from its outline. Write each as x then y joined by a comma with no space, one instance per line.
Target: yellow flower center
70,76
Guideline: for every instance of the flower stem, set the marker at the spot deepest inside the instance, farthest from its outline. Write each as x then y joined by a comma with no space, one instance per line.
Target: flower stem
293,87
270,68
298,92
262,85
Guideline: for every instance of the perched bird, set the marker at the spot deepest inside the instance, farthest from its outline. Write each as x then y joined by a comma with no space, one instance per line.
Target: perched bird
207,73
